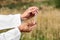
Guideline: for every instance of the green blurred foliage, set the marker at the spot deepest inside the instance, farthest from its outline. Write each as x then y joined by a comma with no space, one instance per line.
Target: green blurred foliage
25,3
57,3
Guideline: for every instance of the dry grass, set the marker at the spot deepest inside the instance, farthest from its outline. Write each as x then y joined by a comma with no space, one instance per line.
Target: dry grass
48,26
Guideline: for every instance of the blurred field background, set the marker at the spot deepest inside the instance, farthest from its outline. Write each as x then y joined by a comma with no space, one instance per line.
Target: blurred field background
48,18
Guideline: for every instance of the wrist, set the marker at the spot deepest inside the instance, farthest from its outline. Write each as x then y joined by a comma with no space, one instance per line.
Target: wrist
20,28
23,18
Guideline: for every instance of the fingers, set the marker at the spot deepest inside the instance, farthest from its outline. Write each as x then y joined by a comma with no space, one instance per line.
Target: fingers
29,13
28,26
31,28
34,10
31,23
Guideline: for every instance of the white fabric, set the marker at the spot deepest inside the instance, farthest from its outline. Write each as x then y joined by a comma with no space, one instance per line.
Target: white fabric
10,21
13,34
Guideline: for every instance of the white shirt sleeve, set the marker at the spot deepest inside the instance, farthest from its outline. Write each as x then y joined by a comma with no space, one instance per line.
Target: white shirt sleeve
10,21
13,34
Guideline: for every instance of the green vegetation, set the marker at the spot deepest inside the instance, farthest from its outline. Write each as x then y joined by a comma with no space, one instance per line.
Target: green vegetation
20,4
57,3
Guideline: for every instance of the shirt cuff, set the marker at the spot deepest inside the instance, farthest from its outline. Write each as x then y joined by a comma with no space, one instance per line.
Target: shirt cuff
17,20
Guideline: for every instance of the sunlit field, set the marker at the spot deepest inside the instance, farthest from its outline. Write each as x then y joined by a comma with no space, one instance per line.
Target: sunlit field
48,24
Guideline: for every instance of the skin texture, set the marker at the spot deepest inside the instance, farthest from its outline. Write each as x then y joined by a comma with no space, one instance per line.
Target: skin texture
29,13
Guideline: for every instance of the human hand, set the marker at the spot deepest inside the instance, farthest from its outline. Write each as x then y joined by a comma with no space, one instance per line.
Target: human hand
27,27
29,13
